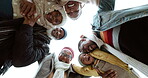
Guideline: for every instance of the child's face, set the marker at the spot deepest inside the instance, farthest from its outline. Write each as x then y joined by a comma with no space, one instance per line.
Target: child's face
72,8
58,33
86,59
54,17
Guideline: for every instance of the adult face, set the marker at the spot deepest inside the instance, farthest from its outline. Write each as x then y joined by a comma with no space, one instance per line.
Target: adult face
73,9
58,33
54,17
86,59
65,56
87,45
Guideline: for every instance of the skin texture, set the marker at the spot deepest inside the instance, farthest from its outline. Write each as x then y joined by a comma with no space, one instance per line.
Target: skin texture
65,56
54,17
30,20
58,33
27,8
86,59
86,45
72,8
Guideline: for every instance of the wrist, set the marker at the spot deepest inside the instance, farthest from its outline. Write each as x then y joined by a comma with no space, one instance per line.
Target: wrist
28,23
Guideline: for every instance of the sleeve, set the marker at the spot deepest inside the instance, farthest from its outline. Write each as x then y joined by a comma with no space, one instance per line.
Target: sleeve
25,50
46,67
105,5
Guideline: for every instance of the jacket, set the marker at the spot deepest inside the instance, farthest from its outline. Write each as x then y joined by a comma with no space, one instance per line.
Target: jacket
47,67
21,44
106,18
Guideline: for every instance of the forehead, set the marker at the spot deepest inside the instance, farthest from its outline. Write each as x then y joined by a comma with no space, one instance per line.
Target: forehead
82,56
66,51
61,32
85,42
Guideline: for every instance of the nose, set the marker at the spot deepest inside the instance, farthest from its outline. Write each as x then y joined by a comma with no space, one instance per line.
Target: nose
86,49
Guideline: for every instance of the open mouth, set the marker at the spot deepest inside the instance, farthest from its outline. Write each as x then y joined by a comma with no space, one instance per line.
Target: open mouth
88,58
71,5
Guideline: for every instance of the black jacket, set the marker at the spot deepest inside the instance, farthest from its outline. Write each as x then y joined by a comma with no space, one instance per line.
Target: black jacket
21,44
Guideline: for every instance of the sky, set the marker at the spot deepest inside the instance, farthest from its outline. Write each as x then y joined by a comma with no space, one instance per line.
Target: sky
75,29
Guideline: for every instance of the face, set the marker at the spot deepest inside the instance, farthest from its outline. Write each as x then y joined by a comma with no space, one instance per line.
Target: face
86,59
58,33
87,45
54,17
72,8
65,56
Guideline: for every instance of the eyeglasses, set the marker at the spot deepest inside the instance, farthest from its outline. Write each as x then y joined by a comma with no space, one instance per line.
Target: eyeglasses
66,55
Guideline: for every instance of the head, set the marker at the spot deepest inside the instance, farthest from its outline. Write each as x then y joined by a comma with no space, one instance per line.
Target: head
86,59
56,17
73,9
57,33
86,45
66,55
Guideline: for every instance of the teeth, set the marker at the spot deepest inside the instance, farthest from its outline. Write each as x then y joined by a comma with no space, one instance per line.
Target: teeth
90,48
71,5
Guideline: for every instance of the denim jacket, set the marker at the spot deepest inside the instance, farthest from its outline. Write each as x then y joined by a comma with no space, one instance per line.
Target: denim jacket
106,18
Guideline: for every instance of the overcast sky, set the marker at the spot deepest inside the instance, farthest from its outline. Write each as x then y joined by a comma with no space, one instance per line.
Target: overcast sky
75,29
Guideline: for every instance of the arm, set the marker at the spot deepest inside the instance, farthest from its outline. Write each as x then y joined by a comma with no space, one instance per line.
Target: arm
106,5
25,50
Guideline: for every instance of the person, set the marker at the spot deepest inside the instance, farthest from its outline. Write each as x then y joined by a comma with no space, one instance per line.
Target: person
119,30
52,63
23,42
124,36
101,61
73,9
51,14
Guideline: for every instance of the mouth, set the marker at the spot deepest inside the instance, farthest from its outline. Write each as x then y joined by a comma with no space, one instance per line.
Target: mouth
48,17
71,5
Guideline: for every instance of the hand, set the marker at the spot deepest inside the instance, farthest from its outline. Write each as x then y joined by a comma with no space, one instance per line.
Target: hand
109,74
30,20
27,8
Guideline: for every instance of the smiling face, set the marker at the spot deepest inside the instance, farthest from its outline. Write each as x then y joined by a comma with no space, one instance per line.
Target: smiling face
86,59
54,17
58,33
73,9
65,56
86,45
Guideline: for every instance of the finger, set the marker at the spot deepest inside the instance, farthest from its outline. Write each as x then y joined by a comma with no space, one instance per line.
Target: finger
32,11
107,73
25,17
23,8
27,10
37,17
111,74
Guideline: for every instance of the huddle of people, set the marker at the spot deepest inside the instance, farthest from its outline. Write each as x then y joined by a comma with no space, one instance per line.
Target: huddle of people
27,27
